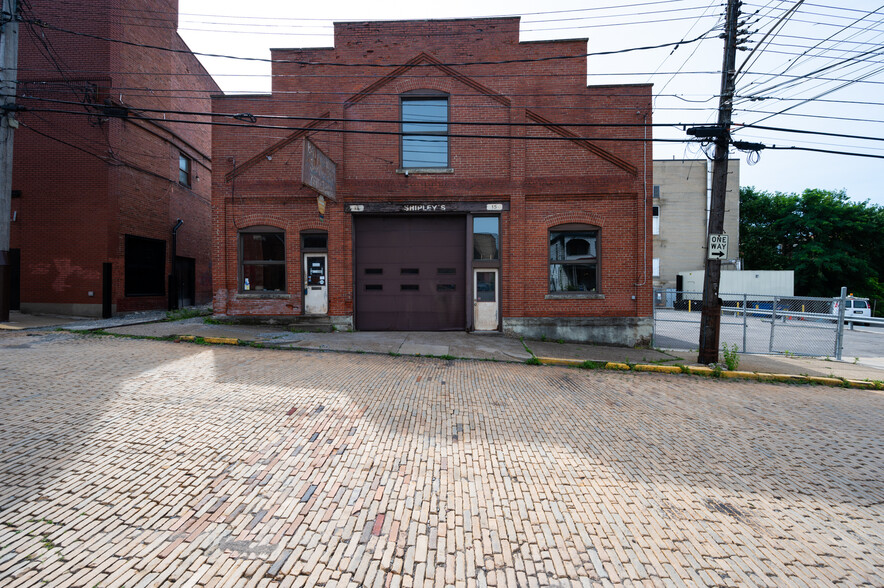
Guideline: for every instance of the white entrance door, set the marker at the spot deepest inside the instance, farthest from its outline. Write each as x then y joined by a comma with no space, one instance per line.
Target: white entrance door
485,294
315,283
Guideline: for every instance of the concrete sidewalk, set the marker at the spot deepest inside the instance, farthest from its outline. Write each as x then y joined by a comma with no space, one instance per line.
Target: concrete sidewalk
451,344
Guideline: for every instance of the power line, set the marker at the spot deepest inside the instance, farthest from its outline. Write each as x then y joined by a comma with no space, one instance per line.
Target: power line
342,131
365,132
844,85
277,24
823,100
275,98
820,116
336,64
830,151
240,17
806,132
240,116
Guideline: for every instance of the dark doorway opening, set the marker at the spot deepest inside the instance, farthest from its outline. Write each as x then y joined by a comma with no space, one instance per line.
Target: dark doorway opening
15,279
185,269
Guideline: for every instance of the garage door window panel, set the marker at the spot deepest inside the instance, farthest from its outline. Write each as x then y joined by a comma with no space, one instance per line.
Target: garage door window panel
573,260
262,260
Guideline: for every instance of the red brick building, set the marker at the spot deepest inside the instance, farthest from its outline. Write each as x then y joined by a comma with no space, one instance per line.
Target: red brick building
98,188
467,195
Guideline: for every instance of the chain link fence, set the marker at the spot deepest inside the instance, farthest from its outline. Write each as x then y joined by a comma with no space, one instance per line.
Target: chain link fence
752,323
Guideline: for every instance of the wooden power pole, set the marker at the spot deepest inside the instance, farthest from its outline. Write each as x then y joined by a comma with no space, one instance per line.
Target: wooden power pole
716,242
8,75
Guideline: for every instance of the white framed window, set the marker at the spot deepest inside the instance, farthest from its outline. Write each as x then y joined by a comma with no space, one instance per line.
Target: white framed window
424,130
655,220
655,267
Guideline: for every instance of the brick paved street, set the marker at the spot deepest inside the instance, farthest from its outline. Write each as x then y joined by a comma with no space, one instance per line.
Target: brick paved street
143,463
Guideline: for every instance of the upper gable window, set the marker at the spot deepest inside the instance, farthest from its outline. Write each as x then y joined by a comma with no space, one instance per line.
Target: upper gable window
424,131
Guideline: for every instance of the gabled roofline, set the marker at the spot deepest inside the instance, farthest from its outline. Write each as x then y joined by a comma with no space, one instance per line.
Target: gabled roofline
254,160
419,59
583,143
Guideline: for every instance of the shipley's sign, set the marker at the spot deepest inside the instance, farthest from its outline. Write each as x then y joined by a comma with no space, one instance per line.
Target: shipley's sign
429,207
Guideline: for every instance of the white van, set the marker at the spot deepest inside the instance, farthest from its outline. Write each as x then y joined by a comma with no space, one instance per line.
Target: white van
853,307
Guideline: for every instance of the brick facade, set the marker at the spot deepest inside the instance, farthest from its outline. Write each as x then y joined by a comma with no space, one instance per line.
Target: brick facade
89,178
544,173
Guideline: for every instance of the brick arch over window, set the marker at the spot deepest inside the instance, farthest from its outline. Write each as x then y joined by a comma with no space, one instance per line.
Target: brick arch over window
574,254
566,218
310,225
266,220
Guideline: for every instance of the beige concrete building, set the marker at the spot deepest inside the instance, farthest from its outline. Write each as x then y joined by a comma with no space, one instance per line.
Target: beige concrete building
680,214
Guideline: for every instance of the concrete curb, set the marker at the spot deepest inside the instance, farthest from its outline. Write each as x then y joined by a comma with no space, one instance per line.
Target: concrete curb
213,340
709,372
614,365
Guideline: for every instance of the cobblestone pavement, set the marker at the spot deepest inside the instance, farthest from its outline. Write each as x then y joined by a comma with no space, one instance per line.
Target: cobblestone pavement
144,463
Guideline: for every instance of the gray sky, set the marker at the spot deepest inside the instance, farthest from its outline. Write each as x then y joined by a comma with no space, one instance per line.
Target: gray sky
821,51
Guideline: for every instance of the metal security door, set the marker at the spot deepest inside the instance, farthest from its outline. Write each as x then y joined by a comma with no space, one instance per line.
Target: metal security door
316,284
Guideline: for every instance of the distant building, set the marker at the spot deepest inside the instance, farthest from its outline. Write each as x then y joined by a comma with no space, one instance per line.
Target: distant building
98,190
680,212
437,222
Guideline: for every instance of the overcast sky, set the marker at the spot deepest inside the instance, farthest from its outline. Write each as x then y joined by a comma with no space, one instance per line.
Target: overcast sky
820,51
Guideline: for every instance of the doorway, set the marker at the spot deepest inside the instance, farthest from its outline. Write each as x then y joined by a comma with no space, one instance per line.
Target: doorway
15,279
485,300
185,269
316,284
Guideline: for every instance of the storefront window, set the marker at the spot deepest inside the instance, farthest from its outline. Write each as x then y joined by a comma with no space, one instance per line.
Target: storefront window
262,260
573,259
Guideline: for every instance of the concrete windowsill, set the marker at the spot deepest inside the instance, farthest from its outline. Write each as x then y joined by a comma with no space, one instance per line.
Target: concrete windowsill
425,170
253,294
575,296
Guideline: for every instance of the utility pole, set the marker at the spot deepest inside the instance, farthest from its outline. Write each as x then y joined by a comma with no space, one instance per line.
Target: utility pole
710,320
8,76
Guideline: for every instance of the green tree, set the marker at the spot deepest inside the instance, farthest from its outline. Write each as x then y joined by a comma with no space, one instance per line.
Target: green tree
828,240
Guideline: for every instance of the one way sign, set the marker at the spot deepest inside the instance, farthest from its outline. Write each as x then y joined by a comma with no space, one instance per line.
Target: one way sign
717,247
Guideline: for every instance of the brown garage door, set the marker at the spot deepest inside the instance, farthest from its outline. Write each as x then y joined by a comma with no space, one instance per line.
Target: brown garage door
410,273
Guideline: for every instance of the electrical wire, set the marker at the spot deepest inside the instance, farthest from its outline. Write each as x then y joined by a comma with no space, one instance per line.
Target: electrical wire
365,121
382,65
363,132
